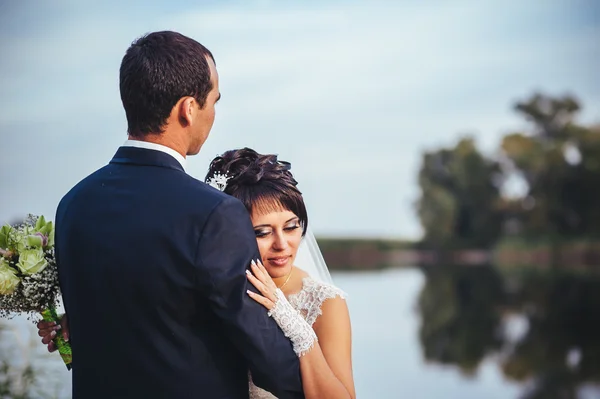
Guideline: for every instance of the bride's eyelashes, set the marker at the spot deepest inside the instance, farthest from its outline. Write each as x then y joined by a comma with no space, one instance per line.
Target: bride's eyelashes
261,233
292,225
265,232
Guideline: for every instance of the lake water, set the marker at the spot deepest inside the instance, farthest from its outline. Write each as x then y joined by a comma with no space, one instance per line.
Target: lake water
448,333
388,360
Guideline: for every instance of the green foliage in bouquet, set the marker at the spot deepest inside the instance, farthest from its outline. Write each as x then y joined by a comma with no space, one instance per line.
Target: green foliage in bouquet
28,273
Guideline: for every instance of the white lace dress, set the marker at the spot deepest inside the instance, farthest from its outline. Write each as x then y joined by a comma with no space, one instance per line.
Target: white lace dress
308,303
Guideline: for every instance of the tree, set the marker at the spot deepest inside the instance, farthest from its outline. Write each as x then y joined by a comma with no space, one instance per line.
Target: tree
459,197
560,161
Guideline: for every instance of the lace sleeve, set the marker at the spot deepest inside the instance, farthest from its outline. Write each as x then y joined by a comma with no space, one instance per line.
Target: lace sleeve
310,300
293,325
306,305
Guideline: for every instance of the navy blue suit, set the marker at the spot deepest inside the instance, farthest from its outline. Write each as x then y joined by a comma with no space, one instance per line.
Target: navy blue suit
152,269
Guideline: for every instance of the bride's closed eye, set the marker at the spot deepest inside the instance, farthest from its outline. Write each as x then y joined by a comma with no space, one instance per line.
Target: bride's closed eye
292,228
261,233
265,232
292,225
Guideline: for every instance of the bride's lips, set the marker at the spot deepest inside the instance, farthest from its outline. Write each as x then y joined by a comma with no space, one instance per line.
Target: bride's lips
279,261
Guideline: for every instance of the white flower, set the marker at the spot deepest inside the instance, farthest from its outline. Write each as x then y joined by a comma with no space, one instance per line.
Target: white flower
20,237
218,181
8,280
32,261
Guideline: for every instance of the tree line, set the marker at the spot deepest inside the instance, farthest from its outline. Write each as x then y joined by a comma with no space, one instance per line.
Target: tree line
463,201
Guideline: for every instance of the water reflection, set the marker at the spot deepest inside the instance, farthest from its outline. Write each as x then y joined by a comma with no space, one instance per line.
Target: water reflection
544,327
458,308
27,370
482,334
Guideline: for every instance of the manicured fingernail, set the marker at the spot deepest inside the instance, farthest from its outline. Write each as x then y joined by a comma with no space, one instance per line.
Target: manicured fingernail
253,263
248,292
248,272
53,334
58,327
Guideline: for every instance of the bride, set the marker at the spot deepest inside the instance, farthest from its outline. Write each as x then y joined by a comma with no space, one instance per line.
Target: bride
308,308
312,312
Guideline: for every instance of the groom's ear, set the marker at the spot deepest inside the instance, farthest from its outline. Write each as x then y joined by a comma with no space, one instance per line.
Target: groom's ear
187,111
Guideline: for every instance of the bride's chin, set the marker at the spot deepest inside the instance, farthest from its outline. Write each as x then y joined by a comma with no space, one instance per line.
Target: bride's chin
278,272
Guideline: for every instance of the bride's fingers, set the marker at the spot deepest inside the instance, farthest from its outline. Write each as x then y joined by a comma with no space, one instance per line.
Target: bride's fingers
256,282
257,271
266,279
262,288
266,273
261,267
261,299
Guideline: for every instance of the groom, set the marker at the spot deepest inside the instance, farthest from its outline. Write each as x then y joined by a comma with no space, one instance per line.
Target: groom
152,262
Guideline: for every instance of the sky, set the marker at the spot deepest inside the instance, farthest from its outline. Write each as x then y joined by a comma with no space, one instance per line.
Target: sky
351,93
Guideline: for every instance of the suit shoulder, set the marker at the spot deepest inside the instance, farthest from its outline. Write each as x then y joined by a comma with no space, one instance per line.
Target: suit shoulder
195,194
72,193
198,188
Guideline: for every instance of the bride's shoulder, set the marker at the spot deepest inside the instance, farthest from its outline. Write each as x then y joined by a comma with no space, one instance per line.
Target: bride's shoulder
313,286
313,297
321,290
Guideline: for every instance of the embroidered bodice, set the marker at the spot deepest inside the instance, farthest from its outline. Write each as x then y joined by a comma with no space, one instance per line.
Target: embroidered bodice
308,302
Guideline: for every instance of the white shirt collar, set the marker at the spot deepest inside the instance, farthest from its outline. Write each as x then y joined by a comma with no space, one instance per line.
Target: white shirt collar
157,147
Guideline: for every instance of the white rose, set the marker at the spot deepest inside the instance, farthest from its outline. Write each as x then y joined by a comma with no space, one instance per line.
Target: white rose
32,261
8,279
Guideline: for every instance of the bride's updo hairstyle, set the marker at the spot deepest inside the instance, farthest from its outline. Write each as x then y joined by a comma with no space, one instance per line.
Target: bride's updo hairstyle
261,182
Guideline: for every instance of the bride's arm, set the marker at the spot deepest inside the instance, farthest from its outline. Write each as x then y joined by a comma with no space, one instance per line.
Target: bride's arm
326,367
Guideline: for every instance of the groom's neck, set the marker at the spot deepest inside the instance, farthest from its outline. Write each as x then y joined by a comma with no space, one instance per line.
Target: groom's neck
172,142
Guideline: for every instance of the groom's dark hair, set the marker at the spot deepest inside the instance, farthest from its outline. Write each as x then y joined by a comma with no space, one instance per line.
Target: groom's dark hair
157,70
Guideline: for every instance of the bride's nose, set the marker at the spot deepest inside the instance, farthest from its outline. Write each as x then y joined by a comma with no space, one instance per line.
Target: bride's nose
280,243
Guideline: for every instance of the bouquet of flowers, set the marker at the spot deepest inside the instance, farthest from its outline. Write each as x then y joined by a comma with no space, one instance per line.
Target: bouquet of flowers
28,274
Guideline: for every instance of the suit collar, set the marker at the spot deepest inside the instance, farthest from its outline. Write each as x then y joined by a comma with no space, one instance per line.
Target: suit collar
146,157
158,147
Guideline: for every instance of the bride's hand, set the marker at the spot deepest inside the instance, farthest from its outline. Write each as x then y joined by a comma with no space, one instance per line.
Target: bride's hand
264,284
48,330
293,325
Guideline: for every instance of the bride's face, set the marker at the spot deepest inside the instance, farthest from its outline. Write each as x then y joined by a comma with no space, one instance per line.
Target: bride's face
278,235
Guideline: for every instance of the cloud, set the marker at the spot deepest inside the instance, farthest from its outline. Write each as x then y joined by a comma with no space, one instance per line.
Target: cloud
350,93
